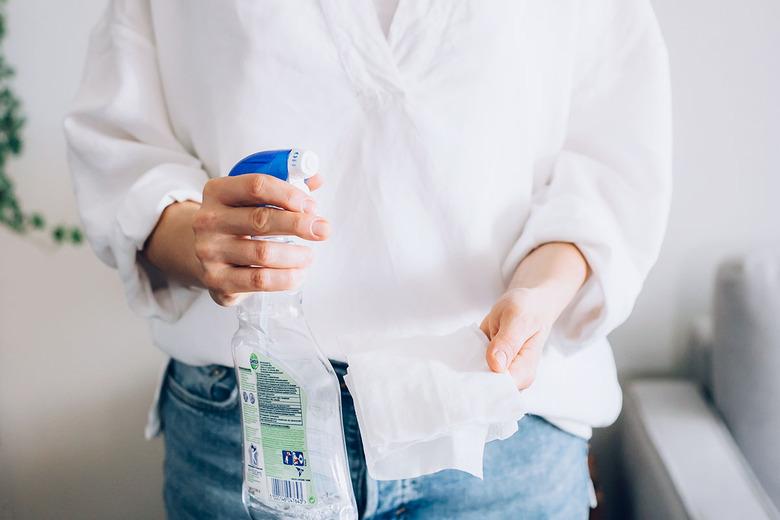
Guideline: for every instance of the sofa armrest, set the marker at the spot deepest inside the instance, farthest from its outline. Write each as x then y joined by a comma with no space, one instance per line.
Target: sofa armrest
681,461
700,343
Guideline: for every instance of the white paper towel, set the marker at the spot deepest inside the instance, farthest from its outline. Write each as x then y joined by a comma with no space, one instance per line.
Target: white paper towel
430,403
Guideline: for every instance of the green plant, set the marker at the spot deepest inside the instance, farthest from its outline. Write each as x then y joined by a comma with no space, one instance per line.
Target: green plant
11,123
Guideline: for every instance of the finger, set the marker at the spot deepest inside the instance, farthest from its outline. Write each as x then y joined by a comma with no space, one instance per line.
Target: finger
245,252
272,222
254,189
489,325
485,326
224,299
231,280
315,182
523,367
512,333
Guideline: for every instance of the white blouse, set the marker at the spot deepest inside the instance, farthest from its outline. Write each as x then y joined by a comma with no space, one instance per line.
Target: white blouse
471,133
385,10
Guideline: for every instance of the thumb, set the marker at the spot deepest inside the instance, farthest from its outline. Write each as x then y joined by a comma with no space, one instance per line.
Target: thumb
314,182
506,343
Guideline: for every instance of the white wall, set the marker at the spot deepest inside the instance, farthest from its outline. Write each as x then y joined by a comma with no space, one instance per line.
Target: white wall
77,370
725,58
725,79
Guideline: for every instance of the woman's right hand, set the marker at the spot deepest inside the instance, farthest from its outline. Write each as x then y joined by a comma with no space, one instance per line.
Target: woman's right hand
220,256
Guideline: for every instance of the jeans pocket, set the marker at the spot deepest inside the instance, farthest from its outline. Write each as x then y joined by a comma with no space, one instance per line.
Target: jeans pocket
208,389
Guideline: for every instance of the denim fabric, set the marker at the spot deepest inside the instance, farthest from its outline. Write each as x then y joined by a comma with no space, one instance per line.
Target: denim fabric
538,473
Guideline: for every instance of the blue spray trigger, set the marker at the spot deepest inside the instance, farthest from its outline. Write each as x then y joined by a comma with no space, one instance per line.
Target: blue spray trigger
294,166
273,162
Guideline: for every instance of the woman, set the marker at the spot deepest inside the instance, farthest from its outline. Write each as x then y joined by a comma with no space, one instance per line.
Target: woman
500,162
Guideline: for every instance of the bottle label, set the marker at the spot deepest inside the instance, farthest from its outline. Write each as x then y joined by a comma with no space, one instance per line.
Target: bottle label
273,408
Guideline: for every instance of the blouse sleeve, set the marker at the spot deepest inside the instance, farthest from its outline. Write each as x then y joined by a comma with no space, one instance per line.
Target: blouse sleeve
127,164
610,188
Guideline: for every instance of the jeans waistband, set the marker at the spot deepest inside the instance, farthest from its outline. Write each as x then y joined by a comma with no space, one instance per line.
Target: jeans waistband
339,366
207,376
341,370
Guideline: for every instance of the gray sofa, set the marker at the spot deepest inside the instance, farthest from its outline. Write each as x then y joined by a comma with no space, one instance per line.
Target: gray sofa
708,446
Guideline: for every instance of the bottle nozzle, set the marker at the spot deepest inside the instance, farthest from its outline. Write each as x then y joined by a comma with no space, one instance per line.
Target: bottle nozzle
303,163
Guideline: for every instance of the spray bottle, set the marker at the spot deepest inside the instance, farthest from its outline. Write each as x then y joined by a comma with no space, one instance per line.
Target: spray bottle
295,463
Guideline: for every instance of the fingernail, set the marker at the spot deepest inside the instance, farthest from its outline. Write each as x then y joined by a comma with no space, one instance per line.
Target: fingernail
501,358
319,228
309,206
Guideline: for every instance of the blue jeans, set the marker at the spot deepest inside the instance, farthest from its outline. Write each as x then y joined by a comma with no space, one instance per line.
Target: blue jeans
538,473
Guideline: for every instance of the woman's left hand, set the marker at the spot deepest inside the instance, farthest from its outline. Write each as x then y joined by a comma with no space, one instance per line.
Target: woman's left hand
520,322
518,326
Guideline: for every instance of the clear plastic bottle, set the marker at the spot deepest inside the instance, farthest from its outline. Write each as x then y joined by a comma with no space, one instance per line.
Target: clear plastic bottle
295,462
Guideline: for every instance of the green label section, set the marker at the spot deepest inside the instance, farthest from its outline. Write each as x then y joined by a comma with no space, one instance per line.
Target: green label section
282,400
253,470
282,409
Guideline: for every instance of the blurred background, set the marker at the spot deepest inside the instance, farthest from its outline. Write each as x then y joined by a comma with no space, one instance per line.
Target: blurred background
76,380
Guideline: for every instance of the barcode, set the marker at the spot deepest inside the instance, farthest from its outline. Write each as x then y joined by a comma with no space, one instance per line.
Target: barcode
287,490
